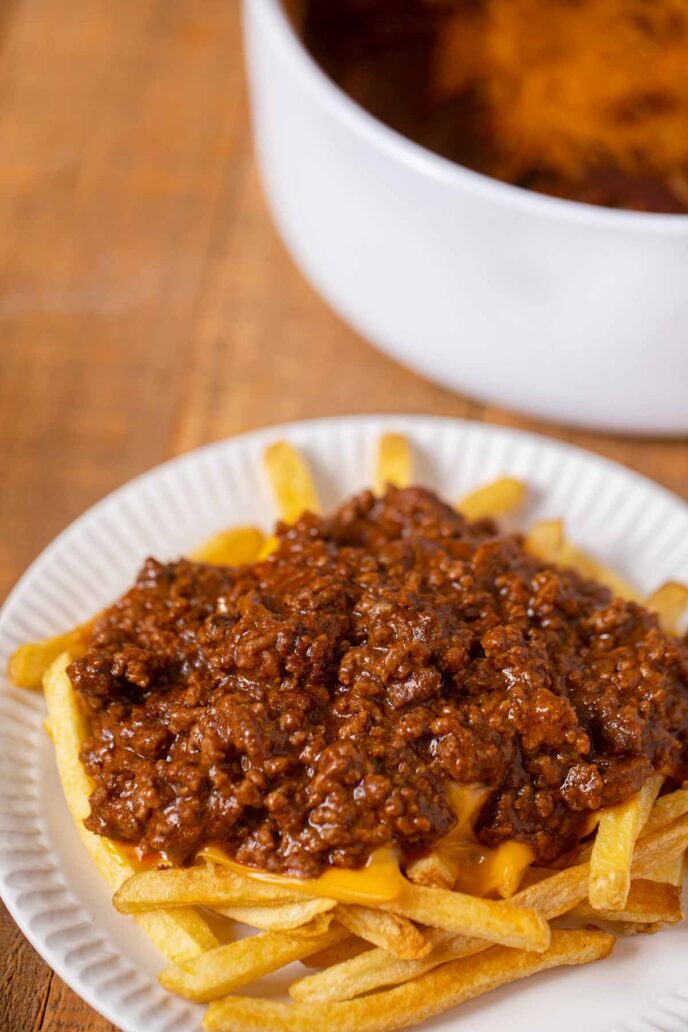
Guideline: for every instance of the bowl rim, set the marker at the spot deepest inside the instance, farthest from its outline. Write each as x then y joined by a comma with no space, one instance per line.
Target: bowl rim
425,162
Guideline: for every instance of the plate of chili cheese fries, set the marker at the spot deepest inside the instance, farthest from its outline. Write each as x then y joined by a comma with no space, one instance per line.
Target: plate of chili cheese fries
358,724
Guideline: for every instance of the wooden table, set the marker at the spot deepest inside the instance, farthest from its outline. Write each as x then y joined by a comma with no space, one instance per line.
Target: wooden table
147,305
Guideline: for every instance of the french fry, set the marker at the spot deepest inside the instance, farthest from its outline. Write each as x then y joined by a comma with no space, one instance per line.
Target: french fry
394,463
344,950
179,934
413,1002
659,847
670,602
494,499
269,546
347,977
667,808
395,934
546,541
317,926
29,662
638,928
555,895
494,920
511,875
234,547
203,885
670,871
313,929
283,916
432,870
648,902
219,971
612,851
291,481
588,567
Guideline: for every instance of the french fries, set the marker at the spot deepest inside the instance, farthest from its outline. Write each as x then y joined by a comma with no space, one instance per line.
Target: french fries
282,917
394,463
546,541
205,884
393,933
667,808
497,921
495,499
29,662
219,971
670,603
586,566
344,950
415,1001
553,896
658,847
233,547
269,546
377,968
671,871
213,886
424,944
638,928
648,902
612,851
432,870
345,977
291,482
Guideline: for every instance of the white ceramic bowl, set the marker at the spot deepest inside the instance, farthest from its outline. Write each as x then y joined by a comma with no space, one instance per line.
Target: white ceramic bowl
570,312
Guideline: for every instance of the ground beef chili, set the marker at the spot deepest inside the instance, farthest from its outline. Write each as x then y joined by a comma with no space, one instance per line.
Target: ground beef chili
307,709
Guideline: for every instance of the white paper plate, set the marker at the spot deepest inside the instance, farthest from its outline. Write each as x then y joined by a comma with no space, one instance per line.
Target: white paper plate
47,880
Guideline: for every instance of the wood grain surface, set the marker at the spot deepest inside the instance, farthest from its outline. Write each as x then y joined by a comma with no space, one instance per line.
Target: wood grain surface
146,304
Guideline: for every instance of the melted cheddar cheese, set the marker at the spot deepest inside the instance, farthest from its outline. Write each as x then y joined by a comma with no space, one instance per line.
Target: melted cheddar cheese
479,870
380,881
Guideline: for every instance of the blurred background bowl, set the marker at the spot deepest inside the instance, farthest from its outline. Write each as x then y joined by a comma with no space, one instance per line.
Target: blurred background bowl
567,311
